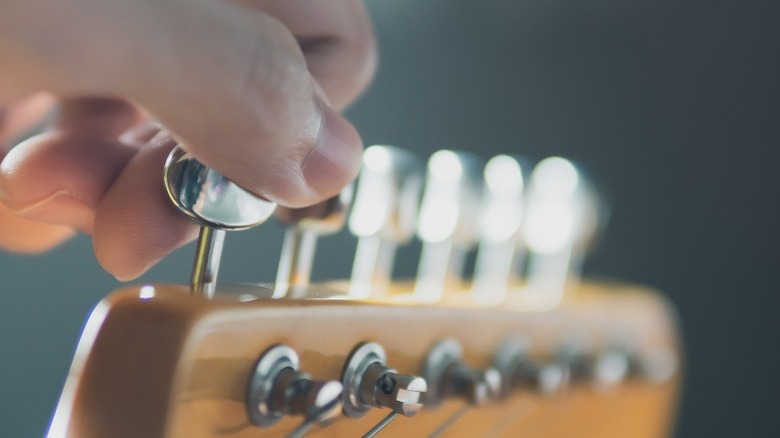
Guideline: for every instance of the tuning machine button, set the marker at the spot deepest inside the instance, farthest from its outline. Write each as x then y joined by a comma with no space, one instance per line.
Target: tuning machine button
447,222
214,202
383,215
563,215
500,252
304,226
368,383
277,388
448,376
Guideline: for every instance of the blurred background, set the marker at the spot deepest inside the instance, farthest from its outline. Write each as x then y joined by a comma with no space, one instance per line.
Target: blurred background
672,104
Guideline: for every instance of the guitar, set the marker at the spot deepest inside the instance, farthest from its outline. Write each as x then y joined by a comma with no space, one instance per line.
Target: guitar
448,358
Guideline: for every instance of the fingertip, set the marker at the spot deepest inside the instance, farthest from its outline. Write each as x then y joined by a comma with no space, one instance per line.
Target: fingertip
135,225
334,160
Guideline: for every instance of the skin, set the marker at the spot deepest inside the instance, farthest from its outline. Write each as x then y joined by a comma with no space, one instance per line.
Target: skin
252,88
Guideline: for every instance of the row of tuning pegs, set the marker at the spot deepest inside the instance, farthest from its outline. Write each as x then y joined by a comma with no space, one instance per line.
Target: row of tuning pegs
528,224
277,387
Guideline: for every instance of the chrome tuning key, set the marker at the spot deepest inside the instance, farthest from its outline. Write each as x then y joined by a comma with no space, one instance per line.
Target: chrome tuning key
447,222
520,371
277,388
383,215
304,227
214,202
369,383
563,216
616,363
448,376
500,250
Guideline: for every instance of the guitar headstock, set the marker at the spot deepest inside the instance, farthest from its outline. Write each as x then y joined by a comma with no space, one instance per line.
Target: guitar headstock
528,351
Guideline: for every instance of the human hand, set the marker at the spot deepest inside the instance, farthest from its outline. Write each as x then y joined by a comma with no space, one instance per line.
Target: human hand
253,92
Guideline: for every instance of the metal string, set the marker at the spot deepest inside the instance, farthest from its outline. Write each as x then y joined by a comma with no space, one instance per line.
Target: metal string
381,425
450,421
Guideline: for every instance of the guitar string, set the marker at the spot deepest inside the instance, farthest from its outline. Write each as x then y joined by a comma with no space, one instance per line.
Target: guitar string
381,425
302,429
450,421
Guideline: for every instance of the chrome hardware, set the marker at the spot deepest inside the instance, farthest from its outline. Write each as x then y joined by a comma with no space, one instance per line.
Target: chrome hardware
447,222
383,215
656,365
501,251
447,376
277,388
304,226
519,370
610,367
216,204
563,215
368,383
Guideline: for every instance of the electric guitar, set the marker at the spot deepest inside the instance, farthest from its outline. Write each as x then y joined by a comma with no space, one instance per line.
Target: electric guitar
523,349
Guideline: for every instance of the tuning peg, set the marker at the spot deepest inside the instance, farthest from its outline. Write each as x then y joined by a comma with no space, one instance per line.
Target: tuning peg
369,383
278,388
383,215
520,371
500,217
214,202
563,215
447,221
304,226
447,376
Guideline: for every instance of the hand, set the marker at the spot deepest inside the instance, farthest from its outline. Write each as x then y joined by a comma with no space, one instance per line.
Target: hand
252,89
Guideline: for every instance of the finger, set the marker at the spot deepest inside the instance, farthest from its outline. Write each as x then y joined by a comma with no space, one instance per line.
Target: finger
97,117
337,39
60,177
21,116
136,225
229,82
27,236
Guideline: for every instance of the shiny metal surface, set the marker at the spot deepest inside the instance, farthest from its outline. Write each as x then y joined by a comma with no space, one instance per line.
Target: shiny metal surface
447,224
501,251
447,376
368,383
214,202
383,216
563,215
304,226
209,198
276,388
205,268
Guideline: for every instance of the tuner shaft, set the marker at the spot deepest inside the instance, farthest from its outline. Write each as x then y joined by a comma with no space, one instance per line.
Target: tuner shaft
205,268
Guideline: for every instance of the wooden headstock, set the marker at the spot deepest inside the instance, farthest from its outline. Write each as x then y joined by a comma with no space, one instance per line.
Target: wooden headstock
155,361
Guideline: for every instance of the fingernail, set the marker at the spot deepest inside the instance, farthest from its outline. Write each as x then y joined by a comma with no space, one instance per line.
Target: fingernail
335,159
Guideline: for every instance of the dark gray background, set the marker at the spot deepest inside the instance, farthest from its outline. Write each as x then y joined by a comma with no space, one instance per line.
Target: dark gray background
673,104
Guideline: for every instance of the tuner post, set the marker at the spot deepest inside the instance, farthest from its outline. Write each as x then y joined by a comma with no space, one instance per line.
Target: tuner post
448,376
368,383
277,388
383,215
304,227
447,222
216,204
